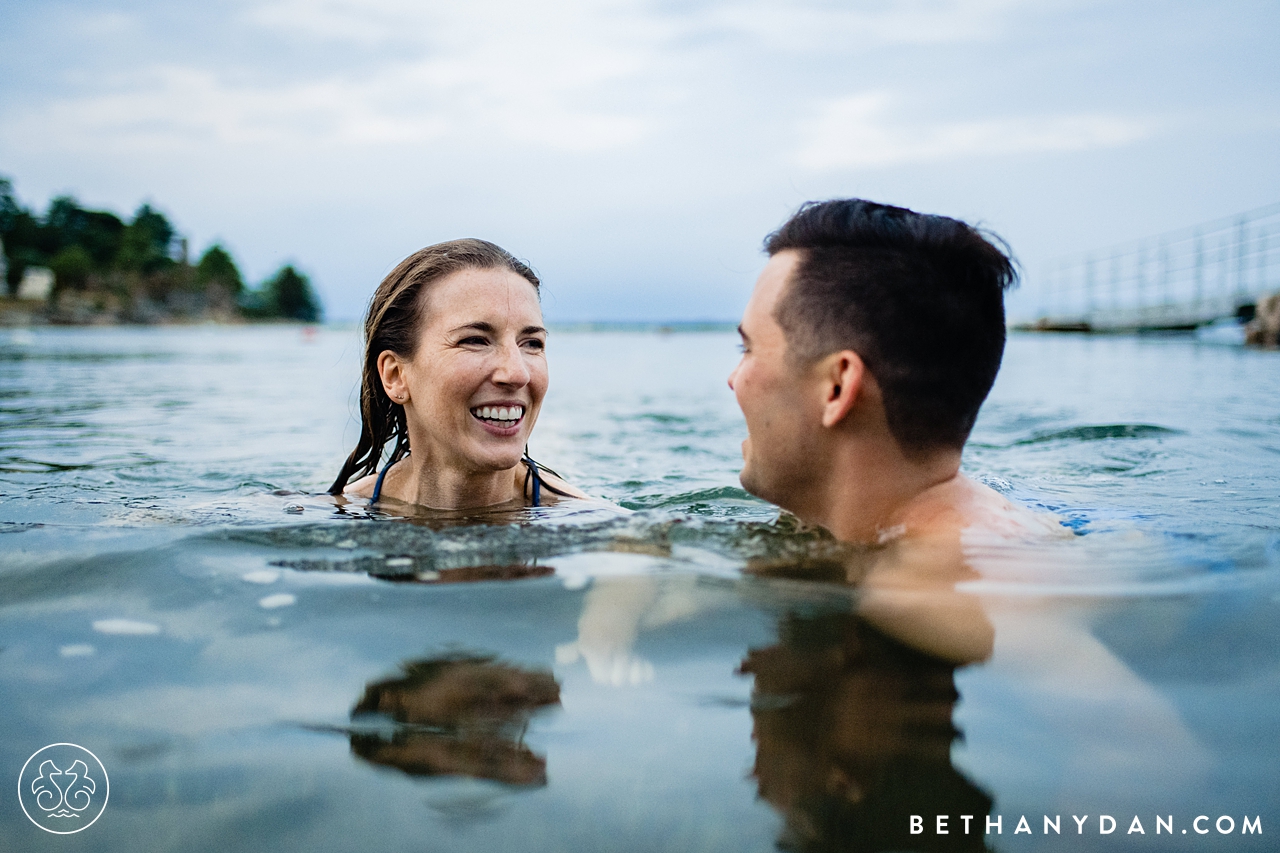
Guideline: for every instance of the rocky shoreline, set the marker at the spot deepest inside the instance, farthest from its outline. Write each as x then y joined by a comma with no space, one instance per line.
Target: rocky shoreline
73,266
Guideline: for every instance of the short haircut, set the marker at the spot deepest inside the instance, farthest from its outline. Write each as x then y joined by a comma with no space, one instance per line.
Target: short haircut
919,298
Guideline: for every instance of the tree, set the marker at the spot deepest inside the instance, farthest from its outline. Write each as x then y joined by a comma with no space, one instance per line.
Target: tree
217,266
99,232
146,242
136,262
293,297
19,230
287,295
9,207
71,268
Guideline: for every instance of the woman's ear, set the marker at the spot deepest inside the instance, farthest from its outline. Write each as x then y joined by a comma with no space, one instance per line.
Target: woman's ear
842,374
391,370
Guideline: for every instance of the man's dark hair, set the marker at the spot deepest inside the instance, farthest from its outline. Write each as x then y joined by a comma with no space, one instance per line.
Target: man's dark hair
919,298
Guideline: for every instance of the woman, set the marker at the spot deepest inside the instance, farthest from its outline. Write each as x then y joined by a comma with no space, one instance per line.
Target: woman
455,371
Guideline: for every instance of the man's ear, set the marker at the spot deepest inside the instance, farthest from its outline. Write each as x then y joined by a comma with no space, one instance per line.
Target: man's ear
391,371
842,374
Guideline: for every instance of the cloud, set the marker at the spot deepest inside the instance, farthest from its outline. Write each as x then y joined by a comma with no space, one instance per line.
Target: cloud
408,73
173,107
545,74
546,29
575,76
344,133
909,22
860,132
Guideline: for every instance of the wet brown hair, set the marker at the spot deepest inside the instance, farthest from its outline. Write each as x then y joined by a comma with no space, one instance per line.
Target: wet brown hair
919,297
392,323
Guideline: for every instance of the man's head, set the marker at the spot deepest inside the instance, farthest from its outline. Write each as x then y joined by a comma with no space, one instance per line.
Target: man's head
917,299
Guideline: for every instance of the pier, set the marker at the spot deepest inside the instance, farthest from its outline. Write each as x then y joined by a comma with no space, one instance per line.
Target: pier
1178,280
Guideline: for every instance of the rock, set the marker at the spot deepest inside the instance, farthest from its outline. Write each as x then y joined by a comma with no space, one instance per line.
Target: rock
1264,329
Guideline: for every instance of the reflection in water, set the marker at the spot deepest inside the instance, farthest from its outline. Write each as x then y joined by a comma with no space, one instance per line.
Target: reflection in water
853,735
458,715
399,569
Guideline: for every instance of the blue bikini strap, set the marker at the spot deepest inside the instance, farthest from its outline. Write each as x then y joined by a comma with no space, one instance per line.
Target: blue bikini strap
535,472
377,487
529,463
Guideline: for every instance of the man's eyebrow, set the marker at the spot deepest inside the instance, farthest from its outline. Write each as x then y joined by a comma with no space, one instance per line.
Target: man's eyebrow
742,333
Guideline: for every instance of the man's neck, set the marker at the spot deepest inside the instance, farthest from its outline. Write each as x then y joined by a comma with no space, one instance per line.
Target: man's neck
874,491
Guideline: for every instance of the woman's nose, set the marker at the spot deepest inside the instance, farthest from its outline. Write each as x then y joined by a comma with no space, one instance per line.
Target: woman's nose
511,368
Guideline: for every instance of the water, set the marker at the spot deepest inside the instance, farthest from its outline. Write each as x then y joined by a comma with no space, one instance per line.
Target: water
254,678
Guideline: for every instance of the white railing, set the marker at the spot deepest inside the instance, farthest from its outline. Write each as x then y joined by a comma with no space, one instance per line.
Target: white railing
1177,280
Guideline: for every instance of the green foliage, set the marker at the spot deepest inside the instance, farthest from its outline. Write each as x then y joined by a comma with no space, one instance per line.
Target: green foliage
134,264
71,268
146,243
19,230
217,266
9,207
98,232
294,297
287,295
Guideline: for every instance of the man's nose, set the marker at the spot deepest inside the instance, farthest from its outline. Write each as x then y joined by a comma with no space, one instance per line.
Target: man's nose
732,374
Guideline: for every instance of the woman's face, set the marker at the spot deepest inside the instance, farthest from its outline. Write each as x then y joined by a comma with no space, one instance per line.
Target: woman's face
477,380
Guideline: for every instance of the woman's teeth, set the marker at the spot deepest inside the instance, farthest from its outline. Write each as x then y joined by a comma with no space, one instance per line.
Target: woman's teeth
505,415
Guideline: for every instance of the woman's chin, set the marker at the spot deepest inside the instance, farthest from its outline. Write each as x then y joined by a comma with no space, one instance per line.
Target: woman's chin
499,458
500,448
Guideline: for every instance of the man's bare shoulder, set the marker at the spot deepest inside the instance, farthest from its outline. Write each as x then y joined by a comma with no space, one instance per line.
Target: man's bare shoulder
963,504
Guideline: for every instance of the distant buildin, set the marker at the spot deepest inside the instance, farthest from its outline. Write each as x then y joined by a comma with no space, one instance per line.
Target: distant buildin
36,284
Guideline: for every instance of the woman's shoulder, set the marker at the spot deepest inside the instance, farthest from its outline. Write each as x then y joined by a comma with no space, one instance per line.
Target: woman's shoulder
363,487
555,481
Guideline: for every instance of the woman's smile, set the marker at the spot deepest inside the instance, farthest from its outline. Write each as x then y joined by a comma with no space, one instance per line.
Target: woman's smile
500,418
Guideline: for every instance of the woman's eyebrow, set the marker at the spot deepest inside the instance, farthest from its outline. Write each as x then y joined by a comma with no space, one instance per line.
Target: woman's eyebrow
480,326
490,329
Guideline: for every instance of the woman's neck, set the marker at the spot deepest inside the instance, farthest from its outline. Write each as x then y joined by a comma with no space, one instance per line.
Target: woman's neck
422,481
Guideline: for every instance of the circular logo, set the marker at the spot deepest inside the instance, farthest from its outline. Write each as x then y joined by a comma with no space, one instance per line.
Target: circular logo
63,788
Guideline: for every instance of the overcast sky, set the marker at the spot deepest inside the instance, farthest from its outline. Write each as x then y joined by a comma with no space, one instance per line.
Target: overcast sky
636,151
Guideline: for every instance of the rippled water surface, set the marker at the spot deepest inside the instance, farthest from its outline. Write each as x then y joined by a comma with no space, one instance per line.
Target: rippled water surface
258,669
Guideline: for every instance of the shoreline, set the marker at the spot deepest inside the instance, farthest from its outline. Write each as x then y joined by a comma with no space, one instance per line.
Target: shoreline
33,313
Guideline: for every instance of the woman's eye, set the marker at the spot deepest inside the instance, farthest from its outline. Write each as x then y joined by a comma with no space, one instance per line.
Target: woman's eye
534,343
474,340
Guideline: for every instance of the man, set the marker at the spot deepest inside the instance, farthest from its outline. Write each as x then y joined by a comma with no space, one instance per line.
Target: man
871,340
